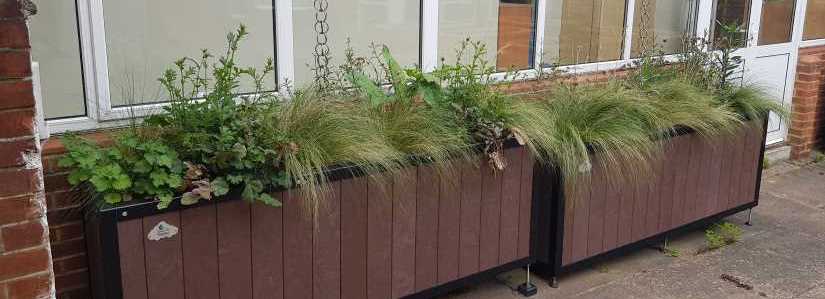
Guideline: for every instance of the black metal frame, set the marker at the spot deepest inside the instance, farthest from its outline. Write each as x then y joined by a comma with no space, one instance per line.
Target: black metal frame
547,239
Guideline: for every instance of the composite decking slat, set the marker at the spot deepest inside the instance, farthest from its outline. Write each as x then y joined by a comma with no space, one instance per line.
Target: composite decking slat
235,250
132,264
510,199
298,234
354,238
199,239
379,240
403,232
267,251
326,257
164,260
526,201
426,228
490,217
470,226
595,232
449,214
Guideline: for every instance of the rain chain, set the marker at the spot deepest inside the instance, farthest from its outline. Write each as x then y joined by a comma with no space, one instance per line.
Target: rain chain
322,55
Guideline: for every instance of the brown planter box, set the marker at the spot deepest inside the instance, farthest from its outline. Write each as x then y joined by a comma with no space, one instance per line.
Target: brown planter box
698,181
420,235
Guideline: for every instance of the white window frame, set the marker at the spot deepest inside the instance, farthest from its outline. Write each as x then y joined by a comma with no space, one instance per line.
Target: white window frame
101,114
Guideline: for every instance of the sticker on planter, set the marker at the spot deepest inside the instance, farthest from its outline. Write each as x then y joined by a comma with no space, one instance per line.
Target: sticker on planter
162,231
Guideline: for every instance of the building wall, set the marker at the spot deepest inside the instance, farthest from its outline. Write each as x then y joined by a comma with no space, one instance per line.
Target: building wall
807,131
25,254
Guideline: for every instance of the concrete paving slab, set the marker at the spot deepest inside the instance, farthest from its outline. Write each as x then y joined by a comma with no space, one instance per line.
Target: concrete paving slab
781,256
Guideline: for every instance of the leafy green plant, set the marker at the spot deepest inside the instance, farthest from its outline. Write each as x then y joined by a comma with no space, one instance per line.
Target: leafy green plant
722,234
211,127
133,167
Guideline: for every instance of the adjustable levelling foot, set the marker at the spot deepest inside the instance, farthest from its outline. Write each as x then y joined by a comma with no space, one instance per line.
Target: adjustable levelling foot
748,223
554,282
527,289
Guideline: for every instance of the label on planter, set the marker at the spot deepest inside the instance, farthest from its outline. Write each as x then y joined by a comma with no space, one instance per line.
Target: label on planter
161,231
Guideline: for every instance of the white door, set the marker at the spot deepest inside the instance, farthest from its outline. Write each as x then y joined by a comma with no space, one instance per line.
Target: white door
775,30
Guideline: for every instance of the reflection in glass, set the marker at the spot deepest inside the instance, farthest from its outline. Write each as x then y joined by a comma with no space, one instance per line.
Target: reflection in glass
731,12
777,21
144,38
814,20
394,23
506,27
55,47
663,25
583,31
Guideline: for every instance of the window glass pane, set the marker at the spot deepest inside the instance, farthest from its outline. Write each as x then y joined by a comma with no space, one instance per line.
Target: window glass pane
582,31
506,27
55,47
394,23
814,20
731,12
663,25
777,21
144,38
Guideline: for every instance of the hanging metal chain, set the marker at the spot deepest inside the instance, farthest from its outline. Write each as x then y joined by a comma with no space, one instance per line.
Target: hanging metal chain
644,34
322,55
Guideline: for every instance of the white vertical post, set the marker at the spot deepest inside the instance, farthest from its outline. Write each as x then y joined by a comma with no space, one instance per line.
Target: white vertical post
429,35
541,14
285,59
630,16
755,22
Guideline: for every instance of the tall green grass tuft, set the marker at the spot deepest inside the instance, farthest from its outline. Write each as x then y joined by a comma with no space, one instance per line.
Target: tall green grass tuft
609,119
750,102
681,104
312,132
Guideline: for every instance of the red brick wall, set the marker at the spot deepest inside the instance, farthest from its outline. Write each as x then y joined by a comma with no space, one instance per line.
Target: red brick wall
25,256
65,228
807,131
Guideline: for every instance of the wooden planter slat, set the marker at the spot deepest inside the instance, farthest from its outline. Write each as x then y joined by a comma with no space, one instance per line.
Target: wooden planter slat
326,257
354,225
510,203
490,218
234,250
200,254
132,259
449,219
403,232
426,223
164,260
470,225
267,251
298,251
525,203
697,180
595,225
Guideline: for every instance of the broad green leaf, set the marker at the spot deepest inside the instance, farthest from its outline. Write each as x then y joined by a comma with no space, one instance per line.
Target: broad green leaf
112,198
122,182
219,187
375,94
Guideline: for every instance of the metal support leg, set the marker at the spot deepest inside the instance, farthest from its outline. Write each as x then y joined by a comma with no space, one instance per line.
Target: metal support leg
748,223
528,289
554,282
